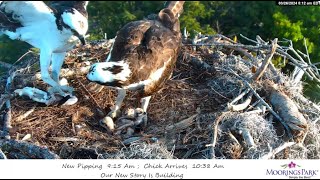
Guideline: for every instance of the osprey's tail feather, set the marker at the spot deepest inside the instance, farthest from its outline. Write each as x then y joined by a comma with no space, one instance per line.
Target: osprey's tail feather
175,6
169,16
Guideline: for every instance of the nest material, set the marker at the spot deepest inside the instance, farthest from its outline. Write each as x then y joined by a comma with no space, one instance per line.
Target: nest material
181,116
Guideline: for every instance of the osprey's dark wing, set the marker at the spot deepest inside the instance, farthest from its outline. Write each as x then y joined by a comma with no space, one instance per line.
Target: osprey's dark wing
61,6
8,23
15,14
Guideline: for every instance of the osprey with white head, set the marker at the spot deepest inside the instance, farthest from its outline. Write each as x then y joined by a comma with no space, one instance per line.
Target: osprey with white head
54,29
142,56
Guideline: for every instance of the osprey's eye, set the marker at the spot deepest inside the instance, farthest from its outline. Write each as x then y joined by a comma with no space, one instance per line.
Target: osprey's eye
91,68
81,24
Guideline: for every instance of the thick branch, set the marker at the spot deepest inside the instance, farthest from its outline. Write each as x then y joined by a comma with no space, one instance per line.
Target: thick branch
28,150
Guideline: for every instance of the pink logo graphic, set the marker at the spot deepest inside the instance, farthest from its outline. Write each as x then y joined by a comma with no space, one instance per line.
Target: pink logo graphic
290,165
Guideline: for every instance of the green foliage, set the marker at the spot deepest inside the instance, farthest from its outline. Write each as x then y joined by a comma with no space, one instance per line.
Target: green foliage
285,28
109,16
279,62
300,22
245,17
117,13
229,18
209,17
10,50
312,89
195,17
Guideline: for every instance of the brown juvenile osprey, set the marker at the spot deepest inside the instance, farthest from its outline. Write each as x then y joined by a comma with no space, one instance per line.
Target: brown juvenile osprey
142,57
53,28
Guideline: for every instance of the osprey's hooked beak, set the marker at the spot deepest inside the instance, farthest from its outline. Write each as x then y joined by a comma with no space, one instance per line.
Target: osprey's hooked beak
82,39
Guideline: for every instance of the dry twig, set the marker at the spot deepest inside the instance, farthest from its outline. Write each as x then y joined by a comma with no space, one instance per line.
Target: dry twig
181,125
2,155
275,151
266,61
8,115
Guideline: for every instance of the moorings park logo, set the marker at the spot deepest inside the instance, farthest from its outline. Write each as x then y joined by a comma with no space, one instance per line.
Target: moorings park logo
292,170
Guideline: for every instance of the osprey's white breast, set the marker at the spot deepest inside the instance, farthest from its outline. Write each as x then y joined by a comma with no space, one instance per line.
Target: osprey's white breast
39,25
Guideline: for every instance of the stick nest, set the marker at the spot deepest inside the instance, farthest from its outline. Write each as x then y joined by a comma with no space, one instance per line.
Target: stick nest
182,116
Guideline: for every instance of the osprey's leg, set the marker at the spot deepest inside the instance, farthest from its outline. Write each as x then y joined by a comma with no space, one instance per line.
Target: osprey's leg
115,112
45,58
56,64
144,105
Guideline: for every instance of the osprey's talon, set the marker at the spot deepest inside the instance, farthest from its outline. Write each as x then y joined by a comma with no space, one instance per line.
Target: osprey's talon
107,123
56,90
68,89
114,114
61,90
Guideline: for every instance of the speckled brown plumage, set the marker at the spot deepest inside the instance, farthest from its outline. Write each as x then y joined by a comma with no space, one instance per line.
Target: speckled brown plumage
147,45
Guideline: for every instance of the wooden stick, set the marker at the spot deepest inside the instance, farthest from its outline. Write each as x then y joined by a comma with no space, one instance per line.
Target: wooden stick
247,137
64,139
215,131
240,96
232,107
234,139
266,61
26,114
277,150
181,125
312,73
242,106
241,50
262,101
27,149
2,155
22,57
8,115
